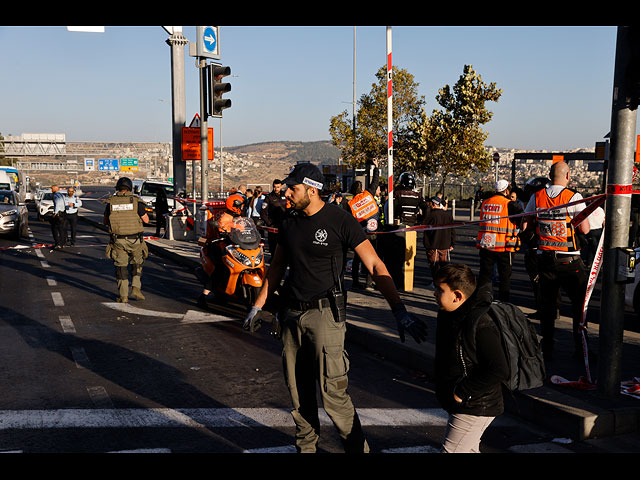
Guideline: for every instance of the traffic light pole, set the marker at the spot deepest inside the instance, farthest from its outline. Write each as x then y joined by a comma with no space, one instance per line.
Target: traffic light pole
177,43
618,208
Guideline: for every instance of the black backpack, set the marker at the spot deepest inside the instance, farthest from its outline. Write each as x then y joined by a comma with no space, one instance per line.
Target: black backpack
521,346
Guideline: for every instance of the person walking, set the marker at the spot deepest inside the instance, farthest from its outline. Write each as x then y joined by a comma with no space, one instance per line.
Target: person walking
272,213
438,243
559,263
470,363
497,238
125,216
408,204
71,203
58,219
312,247
161,208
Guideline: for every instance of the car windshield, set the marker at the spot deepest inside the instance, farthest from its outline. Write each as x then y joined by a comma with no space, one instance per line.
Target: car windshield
47,196
6,198
151,189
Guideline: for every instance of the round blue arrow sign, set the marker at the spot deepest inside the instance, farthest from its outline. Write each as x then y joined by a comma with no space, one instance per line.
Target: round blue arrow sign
209,38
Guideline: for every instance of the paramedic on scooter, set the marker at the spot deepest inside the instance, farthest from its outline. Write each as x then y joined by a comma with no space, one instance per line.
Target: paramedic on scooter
216,228
313,242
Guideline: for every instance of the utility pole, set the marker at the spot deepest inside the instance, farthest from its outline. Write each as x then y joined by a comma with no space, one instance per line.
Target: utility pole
204,141
618,207
177,43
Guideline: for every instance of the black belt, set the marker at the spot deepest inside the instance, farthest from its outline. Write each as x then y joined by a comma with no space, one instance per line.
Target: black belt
129,237
310,305
557,254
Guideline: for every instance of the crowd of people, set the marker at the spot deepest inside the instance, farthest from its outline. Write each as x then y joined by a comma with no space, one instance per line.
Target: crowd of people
309,235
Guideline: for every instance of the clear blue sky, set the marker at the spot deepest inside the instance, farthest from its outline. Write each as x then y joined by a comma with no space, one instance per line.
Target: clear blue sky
288,81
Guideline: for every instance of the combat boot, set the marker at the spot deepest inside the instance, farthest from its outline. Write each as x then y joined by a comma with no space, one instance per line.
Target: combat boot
136,293
122,300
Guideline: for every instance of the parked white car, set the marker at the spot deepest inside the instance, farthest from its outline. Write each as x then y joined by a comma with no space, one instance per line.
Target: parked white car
14,216
44,206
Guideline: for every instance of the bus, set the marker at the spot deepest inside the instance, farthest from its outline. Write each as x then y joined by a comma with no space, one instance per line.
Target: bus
22,183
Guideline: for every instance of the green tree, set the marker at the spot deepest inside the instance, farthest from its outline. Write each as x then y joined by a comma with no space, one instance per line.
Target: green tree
370,138
451,141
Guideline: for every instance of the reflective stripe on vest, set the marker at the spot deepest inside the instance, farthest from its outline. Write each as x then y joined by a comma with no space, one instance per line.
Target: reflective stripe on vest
553,227
497,233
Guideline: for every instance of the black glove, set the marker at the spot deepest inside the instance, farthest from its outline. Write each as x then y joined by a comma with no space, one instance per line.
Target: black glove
409,323
253,320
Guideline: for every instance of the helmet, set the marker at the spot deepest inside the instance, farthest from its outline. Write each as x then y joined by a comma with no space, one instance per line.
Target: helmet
124,183
235,204
536,183
407,180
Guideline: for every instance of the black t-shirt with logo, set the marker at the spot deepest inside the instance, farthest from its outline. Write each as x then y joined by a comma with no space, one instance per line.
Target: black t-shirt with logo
310,243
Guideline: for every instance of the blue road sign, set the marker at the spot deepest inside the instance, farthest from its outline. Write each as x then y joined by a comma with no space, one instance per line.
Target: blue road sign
108,164
210,39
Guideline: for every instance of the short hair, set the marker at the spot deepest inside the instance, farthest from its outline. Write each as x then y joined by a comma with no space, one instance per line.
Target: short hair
277,181
458,276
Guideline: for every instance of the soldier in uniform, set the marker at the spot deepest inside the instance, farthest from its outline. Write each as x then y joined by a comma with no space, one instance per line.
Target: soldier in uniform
125,216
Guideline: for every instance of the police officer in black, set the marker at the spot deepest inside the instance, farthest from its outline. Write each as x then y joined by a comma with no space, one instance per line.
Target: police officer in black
125,216
408,205
274,207
313,243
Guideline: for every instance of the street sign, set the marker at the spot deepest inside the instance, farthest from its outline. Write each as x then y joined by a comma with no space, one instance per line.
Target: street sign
191,145
89,164
208,42
496,157
108,165
129,164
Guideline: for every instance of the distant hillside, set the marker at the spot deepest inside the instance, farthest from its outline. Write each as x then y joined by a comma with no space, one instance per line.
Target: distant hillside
320,152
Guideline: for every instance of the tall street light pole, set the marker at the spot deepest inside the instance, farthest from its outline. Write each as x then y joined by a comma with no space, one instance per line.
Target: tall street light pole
177,43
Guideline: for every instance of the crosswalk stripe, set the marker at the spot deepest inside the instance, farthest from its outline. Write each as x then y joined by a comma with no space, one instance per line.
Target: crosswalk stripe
201,417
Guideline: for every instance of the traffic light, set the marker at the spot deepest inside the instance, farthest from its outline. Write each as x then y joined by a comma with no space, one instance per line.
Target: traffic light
217,88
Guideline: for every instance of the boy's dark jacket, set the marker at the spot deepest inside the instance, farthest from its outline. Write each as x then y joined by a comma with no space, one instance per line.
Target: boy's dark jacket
470,359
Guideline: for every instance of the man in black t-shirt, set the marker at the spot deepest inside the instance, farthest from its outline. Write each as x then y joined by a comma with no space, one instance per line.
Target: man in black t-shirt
313,242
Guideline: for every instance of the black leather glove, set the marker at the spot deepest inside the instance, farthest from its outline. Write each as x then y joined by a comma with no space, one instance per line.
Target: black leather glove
408,322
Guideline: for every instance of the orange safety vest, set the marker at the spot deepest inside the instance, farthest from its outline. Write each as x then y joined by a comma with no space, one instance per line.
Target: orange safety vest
496,233
554,228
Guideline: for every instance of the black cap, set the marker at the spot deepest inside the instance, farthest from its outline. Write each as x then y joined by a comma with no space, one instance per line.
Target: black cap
306,173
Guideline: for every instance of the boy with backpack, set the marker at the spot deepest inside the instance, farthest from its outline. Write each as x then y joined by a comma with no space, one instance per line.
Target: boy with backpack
481,346
470,364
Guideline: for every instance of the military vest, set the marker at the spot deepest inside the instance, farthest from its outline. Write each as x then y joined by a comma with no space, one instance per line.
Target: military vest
123,214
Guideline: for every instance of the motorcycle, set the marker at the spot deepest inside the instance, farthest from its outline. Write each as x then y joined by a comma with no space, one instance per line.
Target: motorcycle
233,263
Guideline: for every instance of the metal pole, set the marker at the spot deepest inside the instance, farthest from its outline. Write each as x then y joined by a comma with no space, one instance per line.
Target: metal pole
177,42
221,161
204,147
389,127
617,212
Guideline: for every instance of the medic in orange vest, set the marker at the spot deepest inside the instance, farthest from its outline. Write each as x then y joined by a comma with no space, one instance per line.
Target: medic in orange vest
497,232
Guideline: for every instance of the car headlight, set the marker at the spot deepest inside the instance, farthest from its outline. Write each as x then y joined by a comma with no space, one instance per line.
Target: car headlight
9,213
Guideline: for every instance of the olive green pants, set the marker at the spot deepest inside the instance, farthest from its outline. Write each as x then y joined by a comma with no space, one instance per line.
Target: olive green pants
313,353
125,251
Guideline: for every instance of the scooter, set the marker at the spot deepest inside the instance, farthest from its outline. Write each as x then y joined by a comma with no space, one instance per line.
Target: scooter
233,263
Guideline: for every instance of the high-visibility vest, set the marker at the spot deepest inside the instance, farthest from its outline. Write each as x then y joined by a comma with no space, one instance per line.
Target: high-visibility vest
554,228
365,208
496,233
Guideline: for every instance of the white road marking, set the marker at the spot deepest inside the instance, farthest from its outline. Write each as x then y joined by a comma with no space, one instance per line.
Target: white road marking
201,417
39,253
67,324
545,447
57,299
192,316
51,281
100,397
80,357
44,264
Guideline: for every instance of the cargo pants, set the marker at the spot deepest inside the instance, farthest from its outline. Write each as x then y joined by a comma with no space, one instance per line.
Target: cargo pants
125,251
313,353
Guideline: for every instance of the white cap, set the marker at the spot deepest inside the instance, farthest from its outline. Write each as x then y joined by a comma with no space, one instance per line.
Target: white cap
501,185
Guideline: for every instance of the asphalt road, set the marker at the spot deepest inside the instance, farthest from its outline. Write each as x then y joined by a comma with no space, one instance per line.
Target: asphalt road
80,375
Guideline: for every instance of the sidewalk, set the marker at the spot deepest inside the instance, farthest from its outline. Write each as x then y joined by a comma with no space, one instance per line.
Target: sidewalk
569,412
